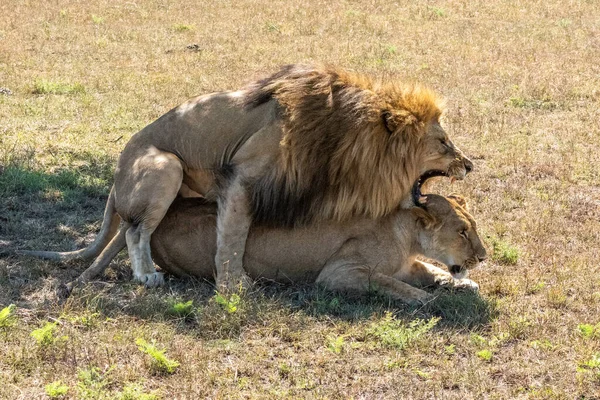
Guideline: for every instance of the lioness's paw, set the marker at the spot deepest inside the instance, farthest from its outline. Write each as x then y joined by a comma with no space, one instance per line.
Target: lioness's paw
154,279
419,297
466,284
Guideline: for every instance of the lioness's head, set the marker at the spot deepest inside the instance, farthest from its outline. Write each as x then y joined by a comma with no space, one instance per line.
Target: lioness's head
449,234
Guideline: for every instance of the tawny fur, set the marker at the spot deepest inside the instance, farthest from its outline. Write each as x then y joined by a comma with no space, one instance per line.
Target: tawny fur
350,144
308,144
357,255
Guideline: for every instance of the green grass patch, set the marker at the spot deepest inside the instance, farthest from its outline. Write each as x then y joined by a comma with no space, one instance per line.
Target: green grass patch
93,384
44,336
397,334
160,362
230,303
183,310
335,344
588,330
463,309
485,355
56,390
42,86
503,252
183,28
133,391
65,185
8,317
96,19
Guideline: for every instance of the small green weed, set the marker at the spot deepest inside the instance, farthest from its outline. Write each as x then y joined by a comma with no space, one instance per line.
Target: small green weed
335,344
272,27
97,19
87,320
422,374
92,384
503,252
183,310
56,390
183,27
134,391
44,336
518,327
8,317
588,330
478,340
591,366
538,287
542,344
42,86
565,22
397,334
485,355
160,362
557,297
230,304
284,370
437,12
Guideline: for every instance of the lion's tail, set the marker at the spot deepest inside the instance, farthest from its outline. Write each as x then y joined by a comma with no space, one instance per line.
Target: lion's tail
110,225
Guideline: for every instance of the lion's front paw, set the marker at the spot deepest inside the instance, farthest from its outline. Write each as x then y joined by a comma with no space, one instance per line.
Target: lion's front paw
466,284
154,279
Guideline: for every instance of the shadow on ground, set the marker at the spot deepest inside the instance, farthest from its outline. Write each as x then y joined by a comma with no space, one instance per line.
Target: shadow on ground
57,212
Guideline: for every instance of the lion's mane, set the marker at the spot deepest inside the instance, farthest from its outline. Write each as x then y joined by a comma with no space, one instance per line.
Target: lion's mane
349,147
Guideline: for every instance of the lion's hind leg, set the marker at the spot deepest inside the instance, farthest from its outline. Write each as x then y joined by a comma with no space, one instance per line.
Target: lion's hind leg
149,188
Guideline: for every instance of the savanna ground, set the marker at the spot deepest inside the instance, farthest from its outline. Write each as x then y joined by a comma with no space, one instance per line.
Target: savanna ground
522,87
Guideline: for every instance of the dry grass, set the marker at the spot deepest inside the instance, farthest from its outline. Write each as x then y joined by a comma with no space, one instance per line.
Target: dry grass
522,83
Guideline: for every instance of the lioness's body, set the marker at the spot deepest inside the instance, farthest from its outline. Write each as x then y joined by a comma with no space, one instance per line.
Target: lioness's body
356,255
303,146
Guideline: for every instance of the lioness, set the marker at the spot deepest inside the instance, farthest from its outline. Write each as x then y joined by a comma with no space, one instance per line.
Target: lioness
307,144
353,255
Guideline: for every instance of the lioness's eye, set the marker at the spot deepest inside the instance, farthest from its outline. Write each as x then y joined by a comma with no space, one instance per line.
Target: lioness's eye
463,233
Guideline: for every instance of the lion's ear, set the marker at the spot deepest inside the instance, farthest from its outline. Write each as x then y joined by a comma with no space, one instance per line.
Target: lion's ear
425,219
398,121
460,200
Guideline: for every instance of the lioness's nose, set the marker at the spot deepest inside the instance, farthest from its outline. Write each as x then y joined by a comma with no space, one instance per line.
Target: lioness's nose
481,258
468,165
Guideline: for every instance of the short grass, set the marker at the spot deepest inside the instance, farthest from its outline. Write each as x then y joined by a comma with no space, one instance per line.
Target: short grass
522,87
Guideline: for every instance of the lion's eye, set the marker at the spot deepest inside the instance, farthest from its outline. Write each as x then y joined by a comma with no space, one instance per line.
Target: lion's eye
445,145
463,233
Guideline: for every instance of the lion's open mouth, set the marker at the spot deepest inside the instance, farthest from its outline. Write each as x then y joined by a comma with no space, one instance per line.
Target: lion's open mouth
417,196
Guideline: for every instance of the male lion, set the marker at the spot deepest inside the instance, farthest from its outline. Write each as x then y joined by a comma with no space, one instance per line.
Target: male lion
306,144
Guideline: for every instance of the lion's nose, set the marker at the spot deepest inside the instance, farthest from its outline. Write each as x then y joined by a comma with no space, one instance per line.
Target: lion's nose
481,258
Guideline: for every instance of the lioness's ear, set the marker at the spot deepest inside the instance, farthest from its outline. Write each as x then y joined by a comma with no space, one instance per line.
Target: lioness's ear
396,121
460,200
425,219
